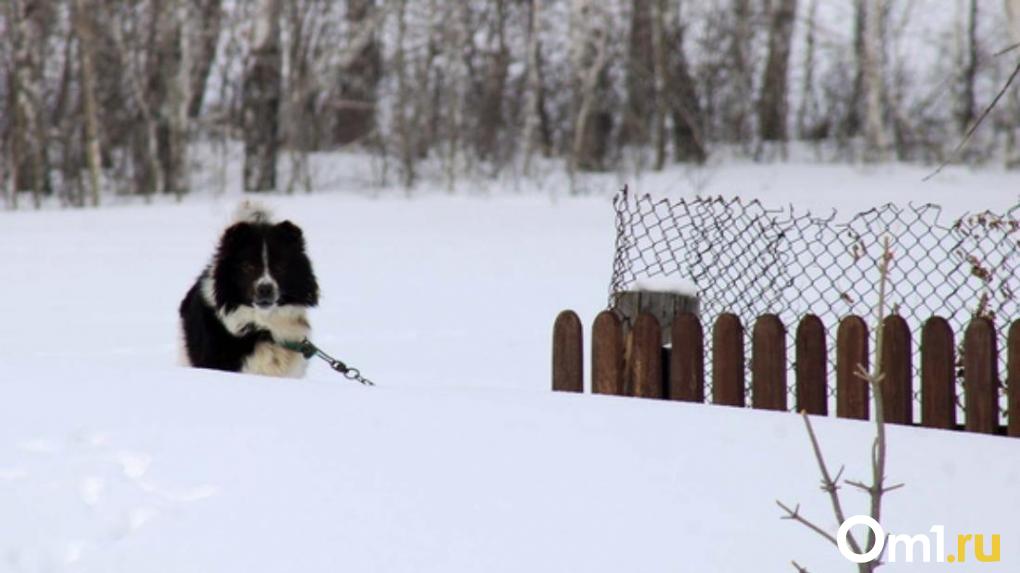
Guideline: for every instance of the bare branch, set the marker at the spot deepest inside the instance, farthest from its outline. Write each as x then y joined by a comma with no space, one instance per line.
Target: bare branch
970,132
828,484
794,514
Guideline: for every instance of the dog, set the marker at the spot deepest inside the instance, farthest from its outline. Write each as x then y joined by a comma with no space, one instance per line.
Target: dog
252,298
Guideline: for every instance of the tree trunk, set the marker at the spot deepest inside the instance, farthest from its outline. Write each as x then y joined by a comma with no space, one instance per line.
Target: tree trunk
688,134
536,120
204,38
355,117
851,123
807,116
262,92
640,75
405,131
590,56
490,117
170,84
741,40
967,105
772,106
29,133
1012,151
86,56
876,139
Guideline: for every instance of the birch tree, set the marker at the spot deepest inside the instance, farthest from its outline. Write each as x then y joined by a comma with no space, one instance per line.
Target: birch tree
204,37
28,139
262,94
589,45
876,138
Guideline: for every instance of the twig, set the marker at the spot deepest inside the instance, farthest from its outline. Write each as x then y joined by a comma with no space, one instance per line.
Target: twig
970,132
794,514
1006,50
798,567
828,484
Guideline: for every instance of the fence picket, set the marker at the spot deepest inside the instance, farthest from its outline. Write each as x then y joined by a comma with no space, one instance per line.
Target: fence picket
607,354
938,376
687,360
851,352
568,351
897,371
980,363
812,367
1013,382
768,363
644,366
728,361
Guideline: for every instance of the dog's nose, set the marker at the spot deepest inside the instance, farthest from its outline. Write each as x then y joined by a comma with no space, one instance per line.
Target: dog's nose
265,294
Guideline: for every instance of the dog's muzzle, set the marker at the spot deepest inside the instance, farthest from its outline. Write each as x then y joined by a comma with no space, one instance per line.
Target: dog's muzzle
265,294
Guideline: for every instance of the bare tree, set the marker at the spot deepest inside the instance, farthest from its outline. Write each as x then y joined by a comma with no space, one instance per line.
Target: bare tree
741,39
28,135
170,80
876,138
204,36
966,111
405,130
640,73
680,95
589,45
536,118
808,124
877,489
490,122
356,106
86,50
262,94
772,103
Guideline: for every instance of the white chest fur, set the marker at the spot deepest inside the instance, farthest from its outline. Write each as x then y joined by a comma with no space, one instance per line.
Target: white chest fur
269,359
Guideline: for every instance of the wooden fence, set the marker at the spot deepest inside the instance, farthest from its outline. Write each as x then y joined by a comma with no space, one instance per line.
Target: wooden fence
637,365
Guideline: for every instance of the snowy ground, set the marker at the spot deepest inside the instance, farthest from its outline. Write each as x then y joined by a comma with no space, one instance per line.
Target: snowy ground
113,459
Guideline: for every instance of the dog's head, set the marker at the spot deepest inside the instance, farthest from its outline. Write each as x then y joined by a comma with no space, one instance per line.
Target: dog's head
263,265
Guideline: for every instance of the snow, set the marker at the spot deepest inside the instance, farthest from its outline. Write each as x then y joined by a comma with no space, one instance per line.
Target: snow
461,459
670,284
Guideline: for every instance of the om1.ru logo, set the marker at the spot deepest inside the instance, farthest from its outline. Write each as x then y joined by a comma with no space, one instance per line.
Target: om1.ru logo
910,543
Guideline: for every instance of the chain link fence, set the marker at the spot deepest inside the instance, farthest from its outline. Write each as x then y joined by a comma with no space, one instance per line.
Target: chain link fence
751,260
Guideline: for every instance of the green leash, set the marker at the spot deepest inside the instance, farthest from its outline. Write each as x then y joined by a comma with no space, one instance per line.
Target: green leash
308,350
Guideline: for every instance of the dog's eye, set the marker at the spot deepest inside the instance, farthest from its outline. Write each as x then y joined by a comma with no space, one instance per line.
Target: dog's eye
247,268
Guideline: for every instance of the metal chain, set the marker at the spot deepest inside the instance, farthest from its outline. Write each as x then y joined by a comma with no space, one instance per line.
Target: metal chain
308,349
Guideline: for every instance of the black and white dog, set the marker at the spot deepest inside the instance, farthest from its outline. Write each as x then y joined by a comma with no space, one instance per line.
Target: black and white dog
252,297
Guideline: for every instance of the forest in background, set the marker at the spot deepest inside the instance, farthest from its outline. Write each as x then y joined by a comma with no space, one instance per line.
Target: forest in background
113,97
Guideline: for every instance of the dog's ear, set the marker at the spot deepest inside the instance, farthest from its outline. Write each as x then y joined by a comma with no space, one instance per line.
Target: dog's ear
235,235
290,232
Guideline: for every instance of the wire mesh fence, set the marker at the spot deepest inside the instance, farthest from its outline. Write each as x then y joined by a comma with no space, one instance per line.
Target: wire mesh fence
751,260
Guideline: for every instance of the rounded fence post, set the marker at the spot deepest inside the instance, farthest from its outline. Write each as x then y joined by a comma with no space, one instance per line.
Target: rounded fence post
981,388
768,363
851,353
567,359
938,376
1013,382
687,360
728,361
607,354
812,367
897,371
644,361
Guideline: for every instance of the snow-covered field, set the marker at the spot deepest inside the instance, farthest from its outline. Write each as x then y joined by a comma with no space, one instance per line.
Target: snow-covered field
114,459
